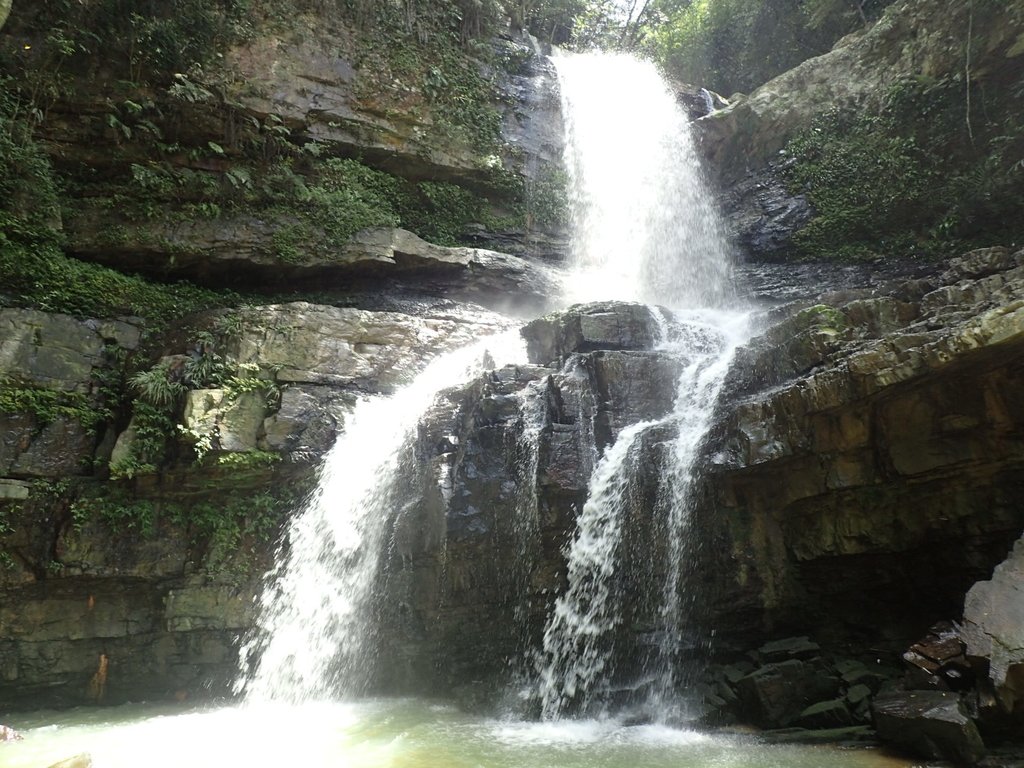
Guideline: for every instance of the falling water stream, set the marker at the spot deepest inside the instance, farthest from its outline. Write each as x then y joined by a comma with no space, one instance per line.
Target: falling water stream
644,230
313,639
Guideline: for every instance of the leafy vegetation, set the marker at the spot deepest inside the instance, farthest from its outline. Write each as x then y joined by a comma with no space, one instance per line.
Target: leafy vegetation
736,45
224,530
911,179
48,405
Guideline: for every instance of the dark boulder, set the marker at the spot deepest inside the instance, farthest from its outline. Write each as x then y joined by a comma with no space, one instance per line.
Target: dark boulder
611,325
777,695
930,724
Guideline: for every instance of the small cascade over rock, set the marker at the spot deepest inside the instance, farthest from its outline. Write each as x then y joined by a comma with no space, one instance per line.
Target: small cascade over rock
315,631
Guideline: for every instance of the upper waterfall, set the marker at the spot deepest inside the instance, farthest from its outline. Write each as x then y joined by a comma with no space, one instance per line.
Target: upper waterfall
644,227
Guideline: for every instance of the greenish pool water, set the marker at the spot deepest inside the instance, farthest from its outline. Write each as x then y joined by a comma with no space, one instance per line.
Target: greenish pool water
403,733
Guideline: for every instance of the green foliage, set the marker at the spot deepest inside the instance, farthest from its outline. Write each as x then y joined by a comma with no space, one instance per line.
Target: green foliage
347,196
160,386
46,279
226,531
247,381
910,180
229,530
248,460
154,426
140,40
736,45
48,405
118,510
421,46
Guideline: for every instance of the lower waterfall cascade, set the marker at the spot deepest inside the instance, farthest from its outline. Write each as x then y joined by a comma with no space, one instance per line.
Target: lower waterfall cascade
644,230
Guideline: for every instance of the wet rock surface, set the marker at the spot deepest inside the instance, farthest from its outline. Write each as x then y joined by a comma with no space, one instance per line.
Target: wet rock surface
155,577
867,456
763,215
241,254
584,328
932,724
480,553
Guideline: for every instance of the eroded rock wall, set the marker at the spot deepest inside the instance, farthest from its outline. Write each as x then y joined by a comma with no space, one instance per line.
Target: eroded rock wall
152,573
865,470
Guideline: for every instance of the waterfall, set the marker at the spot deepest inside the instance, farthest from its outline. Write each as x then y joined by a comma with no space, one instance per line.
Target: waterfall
644,228
577,632
709,340
314,630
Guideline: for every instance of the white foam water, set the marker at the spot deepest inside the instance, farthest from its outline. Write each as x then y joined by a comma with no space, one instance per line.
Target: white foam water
314,633
644,229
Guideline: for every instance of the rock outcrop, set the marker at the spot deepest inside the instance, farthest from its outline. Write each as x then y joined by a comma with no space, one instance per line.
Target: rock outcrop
912,39
866,460
240,253
913,42
478,555
932,724
993,631
152,580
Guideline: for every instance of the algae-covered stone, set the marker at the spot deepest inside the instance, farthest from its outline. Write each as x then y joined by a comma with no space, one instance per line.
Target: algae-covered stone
314,344
825,714
222,421
14,490
48,350
30,449
200,606
776,694
789,648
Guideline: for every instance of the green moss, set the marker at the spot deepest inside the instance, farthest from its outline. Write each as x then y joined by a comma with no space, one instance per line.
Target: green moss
35,272
822,317
248,460
736,45
224,530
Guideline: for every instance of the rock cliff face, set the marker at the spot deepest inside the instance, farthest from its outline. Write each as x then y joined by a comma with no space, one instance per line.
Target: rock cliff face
157,575
912,39
135,527
865,465
479,556
914,45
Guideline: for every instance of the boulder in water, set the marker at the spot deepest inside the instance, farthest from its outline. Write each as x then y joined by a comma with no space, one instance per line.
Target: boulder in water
776,695
932,724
